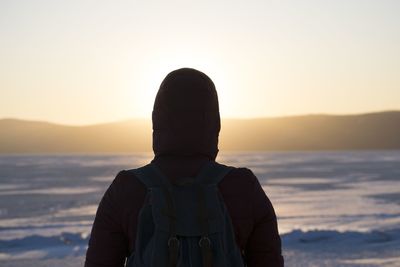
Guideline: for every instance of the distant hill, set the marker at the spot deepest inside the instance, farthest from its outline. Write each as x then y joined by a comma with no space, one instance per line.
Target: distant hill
379,130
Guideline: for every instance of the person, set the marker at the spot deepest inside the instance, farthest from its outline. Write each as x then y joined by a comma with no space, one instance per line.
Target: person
186,126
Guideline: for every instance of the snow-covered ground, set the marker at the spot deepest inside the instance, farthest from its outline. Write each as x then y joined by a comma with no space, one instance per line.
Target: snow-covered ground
334,208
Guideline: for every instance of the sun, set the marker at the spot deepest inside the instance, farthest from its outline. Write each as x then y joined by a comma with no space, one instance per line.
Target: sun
152,74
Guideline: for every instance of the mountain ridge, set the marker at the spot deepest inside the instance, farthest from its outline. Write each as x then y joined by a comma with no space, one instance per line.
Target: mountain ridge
375,130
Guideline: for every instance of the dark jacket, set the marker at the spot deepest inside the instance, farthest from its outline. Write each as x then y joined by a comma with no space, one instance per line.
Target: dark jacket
186,126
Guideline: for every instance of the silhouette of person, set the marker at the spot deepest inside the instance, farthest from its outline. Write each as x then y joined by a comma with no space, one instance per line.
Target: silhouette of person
186,126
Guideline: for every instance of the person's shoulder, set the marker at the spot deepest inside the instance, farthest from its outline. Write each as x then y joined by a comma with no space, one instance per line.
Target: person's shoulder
127,183
127,176
242,173
241,178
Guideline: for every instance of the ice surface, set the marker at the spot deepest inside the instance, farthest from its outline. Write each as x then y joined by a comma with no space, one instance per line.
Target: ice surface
334,208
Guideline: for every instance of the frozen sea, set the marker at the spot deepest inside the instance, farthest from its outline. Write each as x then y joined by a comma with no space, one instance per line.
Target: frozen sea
334,208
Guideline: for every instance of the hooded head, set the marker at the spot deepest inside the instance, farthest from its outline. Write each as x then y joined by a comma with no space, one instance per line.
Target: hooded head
185,116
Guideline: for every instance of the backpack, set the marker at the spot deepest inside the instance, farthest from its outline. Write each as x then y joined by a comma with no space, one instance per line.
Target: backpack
184,224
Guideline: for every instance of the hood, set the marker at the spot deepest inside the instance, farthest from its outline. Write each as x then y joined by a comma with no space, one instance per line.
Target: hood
186,120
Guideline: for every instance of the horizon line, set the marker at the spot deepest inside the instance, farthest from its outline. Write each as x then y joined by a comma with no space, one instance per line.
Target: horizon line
222,118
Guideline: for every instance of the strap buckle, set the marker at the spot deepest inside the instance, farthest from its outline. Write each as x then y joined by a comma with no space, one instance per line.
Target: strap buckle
205,241
173,241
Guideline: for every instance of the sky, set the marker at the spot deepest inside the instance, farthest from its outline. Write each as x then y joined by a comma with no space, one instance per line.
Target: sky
90,61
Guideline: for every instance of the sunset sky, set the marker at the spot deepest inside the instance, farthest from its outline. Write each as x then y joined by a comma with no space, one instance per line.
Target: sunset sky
89,61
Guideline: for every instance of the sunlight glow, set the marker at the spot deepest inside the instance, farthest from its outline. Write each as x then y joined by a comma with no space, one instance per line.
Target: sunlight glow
84,62
154,72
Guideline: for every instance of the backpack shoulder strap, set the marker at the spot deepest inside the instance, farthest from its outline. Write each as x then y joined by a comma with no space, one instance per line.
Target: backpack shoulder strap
213,172
150,176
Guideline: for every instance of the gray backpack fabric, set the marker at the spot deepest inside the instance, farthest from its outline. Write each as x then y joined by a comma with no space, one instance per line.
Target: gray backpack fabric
185,224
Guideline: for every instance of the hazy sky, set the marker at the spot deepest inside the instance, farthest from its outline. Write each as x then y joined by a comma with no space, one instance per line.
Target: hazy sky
81,61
